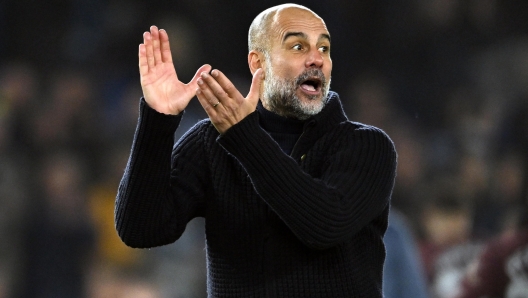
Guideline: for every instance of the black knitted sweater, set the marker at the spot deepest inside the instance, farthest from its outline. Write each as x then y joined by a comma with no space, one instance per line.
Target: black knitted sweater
308,224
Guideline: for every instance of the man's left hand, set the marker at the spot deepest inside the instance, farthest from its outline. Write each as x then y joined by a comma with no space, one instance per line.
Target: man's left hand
223,102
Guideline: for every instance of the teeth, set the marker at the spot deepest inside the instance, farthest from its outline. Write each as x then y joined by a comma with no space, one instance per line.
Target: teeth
308,87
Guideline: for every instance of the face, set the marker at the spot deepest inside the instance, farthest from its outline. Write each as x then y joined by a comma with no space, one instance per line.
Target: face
298,65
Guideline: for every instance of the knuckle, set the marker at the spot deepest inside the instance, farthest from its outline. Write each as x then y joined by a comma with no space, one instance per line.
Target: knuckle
229,88
219,93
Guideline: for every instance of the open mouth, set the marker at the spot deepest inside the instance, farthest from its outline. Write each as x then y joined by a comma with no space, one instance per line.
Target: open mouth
311,85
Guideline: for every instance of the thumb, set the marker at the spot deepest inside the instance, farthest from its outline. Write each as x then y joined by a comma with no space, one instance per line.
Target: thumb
193,83
254,90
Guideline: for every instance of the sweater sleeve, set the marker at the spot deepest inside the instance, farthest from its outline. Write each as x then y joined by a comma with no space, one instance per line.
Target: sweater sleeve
354,187
149,210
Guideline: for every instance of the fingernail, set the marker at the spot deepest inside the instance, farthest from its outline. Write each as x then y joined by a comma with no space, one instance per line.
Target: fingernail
200,81
204,74
214,73
198,91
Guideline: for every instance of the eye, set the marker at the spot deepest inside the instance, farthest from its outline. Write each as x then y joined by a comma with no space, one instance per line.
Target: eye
297,47
324,49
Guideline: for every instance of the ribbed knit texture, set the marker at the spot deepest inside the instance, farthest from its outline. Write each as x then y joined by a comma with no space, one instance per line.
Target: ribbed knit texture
306,225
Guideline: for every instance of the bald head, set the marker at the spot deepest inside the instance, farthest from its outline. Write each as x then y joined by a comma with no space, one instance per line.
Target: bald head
259,37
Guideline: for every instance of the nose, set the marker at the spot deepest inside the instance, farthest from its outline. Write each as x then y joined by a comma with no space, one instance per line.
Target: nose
314,59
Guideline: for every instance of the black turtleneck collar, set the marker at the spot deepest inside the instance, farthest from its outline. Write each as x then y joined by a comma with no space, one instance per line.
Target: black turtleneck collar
285,131
272,122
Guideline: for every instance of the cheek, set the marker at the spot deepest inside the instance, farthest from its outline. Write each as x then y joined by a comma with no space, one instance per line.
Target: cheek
283,72
327,69
286,67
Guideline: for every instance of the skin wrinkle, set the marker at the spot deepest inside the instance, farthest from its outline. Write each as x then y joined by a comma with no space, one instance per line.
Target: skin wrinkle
303,35
283,31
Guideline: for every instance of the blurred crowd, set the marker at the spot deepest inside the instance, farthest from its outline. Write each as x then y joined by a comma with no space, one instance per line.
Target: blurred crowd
446,79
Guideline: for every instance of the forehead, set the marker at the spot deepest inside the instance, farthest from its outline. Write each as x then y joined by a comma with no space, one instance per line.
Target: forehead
296,20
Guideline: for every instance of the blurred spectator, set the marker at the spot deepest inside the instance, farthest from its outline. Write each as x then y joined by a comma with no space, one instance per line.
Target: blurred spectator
371,101
488,276
110,251
493,213
59,234
14,203
451,267
407,195
446,223
19,87
403,274
517,269
120,111
69,117
180,268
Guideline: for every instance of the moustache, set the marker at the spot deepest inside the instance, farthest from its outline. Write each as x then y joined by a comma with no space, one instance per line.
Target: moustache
311,74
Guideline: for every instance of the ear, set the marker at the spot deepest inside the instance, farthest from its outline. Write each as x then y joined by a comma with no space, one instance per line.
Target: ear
255,61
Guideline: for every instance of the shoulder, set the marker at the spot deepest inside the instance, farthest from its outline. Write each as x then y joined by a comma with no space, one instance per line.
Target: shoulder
364,145
362,127
359,132
335,117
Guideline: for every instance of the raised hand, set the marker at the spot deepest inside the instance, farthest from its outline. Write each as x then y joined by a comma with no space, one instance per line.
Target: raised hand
161,88
223,102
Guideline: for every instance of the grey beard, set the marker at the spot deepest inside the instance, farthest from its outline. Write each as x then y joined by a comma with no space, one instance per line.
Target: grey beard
280,97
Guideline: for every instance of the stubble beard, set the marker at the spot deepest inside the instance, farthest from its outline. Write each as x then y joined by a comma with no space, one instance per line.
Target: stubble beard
280,95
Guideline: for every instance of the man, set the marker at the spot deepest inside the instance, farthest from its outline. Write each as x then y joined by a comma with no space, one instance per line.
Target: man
295,197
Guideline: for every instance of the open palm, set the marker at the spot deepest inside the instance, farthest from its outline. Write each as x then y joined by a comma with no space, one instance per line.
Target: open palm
162,89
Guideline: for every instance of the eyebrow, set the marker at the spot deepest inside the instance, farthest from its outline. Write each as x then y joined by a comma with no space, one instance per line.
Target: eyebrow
303,35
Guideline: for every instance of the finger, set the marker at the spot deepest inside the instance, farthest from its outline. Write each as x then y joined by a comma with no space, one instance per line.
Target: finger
226,93
215,114
207,92
193,83
154,32
166,55
226,87
143,65
209,109
254,91
147,40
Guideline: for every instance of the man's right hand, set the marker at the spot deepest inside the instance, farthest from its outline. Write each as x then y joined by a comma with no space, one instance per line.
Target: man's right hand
161,88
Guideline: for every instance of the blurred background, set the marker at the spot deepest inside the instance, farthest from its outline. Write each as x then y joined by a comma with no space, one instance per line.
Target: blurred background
446,79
